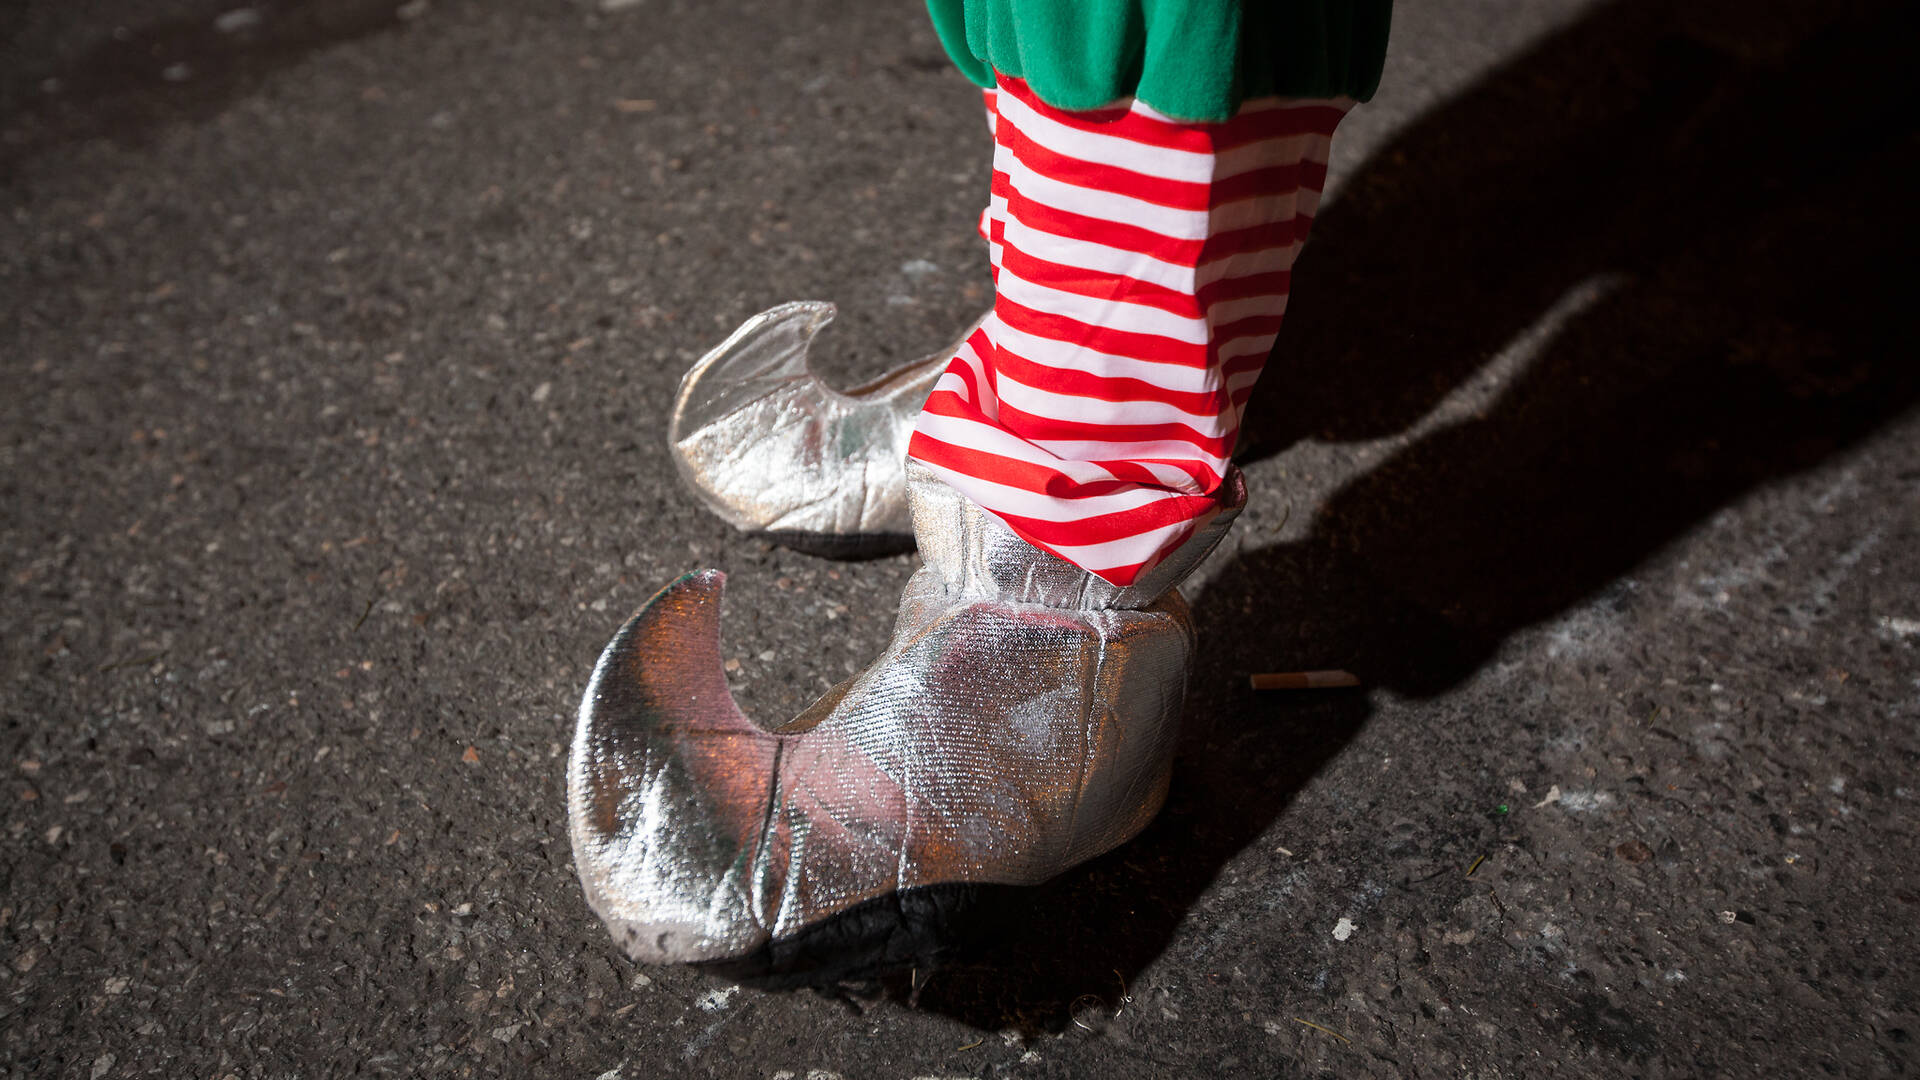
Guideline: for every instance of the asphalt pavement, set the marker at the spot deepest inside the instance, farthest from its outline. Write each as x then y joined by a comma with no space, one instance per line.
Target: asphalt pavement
337,341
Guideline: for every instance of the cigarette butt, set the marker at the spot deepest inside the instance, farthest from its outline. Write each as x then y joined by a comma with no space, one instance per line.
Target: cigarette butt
1302,680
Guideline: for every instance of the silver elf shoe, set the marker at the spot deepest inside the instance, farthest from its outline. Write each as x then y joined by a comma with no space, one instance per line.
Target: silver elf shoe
776,452
1021,721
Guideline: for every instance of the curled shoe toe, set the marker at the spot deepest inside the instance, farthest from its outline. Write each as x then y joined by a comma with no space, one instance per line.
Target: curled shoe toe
666,785
1021,721
768,446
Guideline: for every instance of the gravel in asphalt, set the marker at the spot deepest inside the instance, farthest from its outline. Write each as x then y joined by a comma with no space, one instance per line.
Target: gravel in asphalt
338,340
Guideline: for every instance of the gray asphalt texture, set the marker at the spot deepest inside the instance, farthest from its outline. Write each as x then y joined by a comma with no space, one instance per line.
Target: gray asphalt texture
338,340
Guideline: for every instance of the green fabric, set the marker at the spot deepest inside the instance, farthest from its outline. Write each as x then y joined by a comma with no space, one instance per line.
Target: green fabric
1190,59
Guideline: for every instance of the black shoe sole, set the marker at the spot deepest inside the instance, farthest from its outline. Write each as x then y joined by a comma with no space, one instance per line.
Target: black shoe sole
913,929
845,547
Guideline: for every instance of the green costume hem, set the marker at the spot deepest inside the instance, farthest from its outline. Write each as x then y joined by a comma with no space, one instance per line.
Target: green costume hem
1190,59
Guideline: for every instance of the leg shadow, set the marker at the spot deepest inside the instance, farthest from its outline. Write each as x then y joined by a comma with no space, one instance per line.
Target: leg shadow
1751,188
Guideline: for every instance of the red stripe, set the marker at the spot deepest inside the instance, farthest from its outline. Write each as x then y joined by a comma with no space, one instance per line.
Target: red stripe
1215,138
1252,240
963,371
1272,284
1012,472
1111,388
1113,234
1286,187
1240,364
1137,471
1272,182
1097,285
1035,427
1152,348
1195,253
1096,176
1095,529
1251,326
1117,525
1038,477
1268,182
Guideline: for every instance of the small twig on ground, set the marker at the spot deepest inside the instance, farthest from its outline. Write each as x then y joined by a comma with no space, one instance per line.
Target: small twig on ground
1328,1030
1303,680
1476,865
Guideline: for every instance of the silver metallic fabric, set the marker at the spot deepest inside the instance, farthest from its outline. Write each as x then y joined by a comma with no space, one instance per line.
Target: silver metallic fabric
1021,721
772,449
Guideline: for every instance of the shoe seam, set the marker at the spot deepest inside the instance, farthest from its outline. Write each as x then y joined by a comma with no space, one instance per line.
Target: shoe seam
756,869
1086,749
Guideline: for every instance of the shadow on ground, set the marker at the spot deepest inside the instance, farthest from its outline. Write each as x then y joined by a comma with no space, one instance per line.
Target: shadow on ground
1742,186
138,79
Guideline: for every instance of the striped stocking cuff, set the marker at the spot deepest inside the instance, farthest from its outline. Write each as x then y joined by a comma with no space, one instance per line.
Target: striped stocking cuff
1141,267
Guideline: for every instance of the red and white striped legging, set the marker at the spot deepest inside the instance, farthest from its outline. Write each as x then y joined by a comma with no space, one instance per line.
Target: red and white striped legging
1141,267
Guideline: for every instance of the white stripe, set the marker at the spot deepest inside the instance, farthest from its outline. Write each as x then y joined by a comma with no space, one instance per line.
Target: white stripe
1125,552
1244,345
1156,456
1224,312
1099,258
1065,356
1184,165
1077,460
1269,209
1119,553
1263,154
1117,262
1248,263
1032,399
1309,201
986,438
1118,314
1167,163
1170,377
967,356
1160,162
953,384
1107,206
1243,380
996,211
1042,243
1189,225
1176,478
1002,157
1001,498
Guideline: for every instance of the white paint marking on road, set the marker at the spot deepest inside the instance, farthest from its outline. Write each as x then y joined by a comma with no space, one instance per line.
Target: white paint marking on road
1581,802
236,20
1900,626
